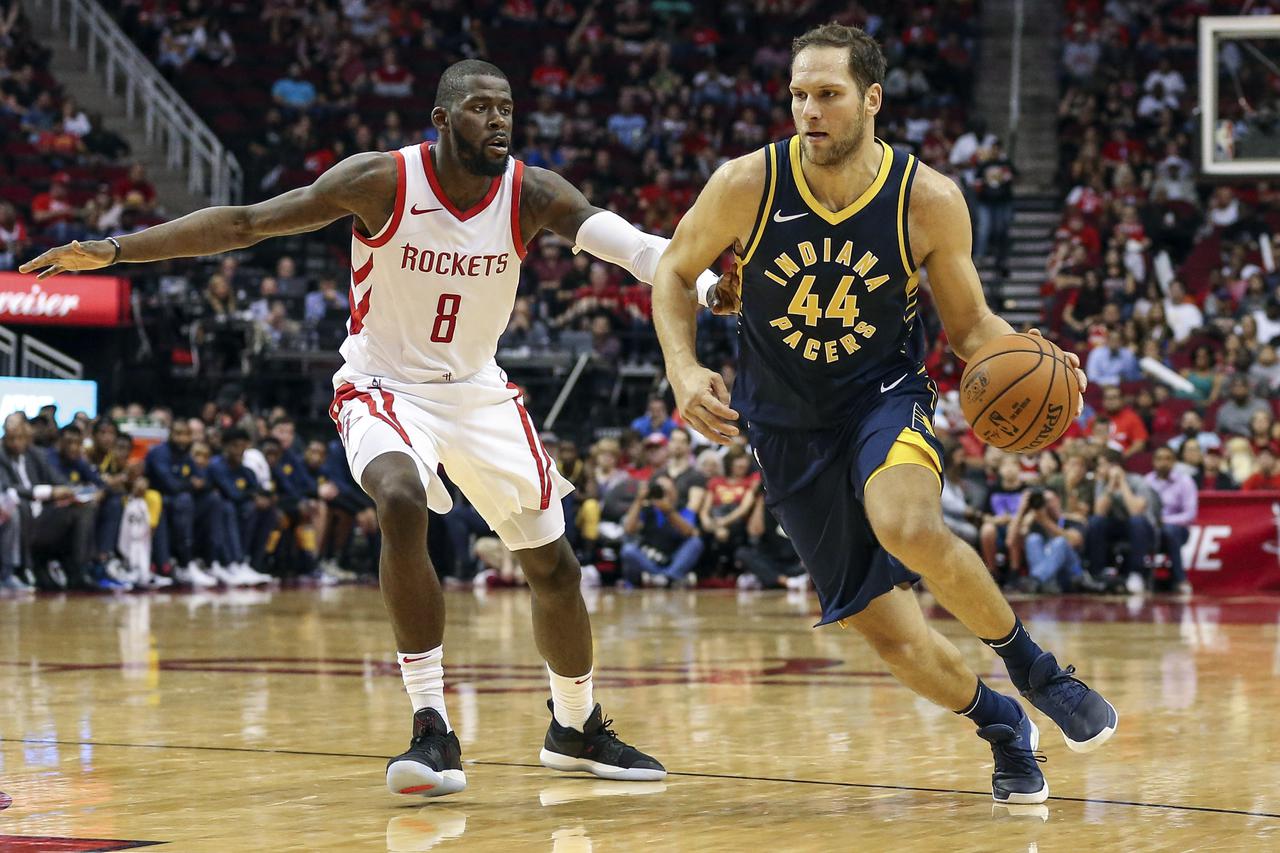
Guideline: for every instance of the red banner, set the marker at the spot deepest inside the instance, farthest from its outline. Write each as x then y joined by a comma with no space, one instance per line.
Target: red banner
1234,547
80,300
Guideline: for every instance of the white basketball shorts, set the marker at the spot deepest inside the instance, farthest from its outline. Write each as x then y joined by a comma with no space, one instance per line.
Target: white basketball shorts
477,429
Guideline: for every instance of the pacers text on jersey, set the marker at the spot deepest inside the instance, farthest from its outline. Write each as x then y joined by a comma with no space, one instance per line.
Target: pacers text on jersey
452,263
842,305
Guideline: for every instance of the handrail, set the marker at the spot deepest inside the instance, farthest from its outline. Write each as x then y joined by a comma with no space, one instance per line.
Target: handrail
1015,79
8,352
212,171
37,355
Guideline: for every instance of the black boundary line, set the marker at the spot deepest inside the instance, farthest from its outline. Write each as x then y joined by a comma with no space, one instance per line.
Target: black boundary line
689,774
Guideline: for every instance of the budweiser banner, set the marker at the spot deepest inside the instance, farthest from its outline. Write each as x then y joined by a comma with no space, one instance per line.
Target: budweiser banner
80,300
1234,547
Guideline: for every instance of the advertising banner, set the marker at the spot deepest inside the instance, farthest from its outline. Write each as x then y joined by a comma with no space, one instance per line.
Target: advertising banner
1234,547
65,300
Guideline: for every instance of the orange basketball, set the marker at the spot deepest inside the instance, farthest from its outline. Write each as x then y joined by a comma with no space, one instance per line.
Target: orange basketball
1019,393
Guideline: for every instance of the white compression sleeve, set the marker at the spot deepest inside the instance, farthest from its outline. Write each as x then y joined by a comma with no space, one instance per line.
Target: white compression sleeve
609,237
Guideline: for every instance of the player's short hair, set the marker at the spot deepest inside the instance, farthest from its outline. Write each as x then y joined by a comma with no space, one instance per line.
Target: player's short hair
866,59
453,82
235,434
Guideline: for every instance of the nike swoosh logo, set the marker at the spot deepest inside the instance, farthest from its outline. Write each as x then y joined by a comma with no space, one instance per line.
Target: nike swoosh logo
778,217
583,680
415,660
414,210
891,386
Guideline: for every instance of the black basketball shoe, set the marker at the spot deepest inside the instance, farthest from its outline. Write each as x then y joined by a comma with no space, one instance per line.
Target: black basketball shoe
432,767
1086,719
596,749
1017,777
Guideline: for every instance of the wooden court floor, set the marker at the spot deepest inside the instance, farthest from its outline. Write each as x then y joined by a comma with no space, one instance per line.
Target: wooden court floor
254,721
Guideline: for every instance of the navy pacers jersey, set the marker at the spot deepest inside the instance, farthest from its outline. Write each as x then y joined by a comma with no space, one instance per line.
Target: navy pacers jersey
828,299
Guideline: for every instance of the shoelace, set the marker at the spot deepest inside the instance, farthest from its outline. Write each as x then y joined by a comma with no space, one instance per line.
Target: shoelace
1065,681
606,730
1022,759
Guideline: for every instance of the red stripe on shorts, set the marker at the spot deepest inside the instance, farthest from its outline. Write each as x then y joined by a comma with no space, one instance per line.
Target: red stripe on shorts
373,410
346,391
388,403
544,481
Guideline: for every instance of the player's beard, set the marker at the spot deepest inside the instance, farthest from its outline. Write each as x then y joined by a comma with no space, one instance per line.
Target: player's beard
838,151
475,161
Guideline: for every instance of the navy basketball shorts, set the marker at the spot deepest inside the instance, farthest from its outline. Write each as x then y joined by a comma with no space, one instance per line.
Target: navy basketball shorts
814,482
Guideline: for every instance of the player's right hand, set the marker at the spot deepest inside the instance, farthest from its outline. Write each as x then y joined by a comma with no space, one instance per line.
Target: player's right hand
703,402
90,255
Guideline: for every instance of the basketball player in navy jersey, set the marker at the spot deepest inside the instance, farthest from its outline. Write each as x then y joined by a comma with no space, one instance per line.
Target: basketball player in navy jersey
447,226
831,229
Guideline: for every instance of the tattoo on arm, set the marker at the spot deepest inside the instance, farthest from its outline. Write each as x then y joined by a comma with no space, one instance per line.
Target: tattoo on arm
549,201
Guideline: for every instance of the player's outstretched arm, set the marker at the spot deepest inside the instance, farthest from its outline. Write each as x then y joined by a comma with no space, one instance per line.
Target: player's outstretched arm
940,230
549,201
364,185
721,217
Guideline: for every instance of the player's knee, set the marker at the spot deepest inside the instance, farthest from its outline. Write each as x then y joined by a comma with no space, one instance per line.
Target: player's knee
914,533
899,649
555,572
400,499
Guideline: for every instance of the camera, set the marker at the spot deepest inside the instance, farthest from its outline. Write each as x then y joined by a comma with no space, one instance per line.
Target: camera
1035,499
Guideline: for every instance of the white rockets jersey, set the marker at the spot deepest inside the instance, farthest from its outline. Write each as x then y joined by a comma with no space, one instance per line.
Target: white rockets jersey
432,292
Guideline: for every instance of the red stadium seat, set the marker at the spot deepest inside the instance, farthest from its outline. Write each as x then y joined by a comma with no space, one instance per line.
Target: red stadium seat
1139,463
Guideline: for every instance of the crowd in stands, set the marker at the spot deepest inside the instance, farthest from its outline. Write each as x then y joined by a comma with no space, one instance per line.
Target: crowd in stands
1149,270
64,175
635,102
138,499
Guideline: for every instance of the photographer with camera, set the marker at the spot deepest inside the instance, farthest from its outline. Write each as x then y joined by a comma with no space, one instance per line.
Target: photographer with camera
1052,549
662,545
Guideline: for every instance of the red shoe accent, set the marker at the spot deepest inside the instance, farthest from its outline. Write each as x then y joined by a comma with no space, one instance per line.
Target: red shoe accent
413,789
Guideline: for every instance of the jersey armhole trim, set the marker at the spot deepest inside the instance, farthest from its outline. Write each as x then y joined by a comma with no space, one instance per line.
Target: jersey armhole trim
392,224
766,202
904,237
517,179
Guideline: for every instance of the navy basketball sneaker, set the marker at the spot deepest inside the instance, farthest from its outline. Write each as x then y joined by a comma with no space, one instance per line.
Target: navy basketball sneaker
1086,719
432,767
596,749
1017,777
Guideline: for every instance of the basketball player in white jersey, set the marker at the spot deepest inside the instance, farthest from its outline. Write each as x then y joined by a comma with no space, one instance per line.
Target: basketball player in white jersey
439,234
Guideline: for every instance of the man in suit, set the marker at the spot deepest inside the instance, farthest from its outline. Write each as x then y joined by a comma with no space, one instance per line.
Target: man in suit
51,521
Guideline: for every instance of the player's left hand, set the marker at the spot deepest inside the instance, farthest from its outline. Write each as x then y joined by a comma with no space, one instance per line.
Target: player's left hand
89,255
726,298
703,401
1074,361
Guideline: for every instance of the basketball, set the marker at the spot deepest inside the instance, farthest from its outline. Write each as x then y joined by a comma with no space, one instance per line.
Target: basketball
1019,392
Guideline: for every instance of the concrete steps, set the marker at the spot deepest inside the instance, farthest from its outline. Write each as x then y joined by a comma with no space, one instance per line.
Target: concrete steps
71,69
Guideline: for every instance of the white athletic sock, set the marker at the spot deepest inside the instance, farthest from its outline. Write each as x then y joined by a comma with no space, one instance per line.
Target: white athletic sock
571,699
423,674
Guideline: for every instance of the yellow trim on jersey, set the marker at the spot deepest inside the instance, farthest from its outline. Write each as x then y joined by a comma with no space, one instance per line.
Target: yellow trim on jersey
909,448
772,169
886,161
902,197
